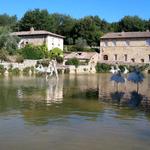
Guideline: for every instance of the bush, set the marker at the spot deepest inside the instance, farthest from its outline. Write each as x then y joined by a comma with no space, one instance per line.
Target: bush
56,52
15,71
3,55
34,52
44,63
26,71
74,48
59,59
2,69
19,59
67,71
103,68
73,61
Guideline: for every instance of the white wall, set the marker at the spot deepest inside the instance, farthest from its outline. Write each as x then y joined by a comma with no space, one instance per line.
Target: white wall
53,42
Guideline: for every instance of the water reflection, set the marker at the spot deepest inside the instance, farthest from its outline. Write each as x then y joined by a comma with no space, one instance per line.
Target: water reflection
41,100
77,112
48,91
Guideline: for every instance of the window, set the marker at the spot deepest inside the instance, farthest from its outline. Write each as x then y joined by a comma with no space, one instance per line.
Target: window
148,42
127,43
142,60
133,60
149,57
126,57
106,43
115,56
114,43
105,57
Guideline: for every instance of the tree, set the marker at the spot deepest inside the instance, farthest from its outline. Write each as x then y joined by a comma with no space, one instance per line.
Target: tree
9,21
61,24
89,28
81,43
131,23
34,18
8,42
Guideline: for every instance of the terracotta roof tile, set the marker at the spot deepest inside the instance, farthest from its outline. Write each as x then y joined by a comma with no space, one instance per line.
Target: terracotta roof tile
38,32
126,35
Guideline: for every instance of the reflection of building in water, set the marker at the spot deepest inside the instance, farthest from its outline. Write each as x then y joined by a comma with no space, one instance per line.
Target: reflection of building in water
54,91
41,90
107,89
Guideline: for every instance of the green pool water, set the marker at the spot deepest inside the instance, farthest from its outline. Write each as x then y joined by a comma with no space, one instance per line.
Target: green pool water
83,112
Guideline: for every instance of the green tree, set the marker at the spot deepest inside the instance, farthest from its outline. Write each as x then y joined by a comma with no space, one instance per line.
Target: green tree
9,21
34,52
34,18
81,43
8,42
131,23
89,28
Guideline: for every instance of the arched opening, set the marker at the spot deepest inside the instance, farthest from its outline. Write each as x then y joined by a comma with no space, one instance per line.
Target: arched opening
133,60
142,60
105,57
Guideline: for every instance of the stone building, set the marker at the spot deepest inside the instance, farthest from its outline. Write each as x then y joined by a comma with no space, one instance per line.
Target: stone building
125,47
88,61
40,37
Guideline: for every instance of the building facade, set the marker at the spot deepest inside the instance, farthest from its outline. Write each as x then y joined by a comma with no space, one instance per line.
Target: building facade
88,61
125,47
40,37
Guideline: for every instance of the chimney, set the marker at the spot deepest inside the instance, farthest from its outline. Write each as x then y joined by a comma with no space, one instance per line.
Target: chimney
32,29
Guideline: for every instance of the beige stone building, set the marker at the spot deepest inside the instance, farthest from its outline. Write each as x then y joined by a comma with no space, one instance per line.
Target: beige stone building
125,47
40,37
88,61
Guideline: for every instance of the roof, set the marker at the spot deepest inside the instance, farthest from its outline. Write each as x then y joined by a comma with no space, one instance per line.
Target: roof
36,32
80,55
119,35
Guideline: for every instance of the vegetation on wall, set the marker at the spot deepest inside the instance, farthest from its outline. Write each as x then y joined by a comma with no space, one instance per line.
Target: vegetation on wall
34,52
103,68
2,69
73,61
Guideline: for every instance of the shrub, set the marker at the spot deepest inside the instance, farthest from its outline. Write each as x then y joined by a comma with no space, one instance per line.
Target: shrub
15,71
2,69
34,52
19,59
73,61
56,52
74,48
32,69
59,59
103,68
66,71
3,55
26,71
44,63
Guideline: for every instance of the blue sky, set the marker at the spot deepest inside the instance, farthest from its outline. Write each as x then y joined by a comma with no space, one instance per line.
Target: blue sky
110,10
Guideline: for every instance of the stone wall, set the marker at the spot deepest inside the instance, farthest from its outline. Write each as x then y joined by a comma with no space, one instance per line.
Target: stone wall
35,40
